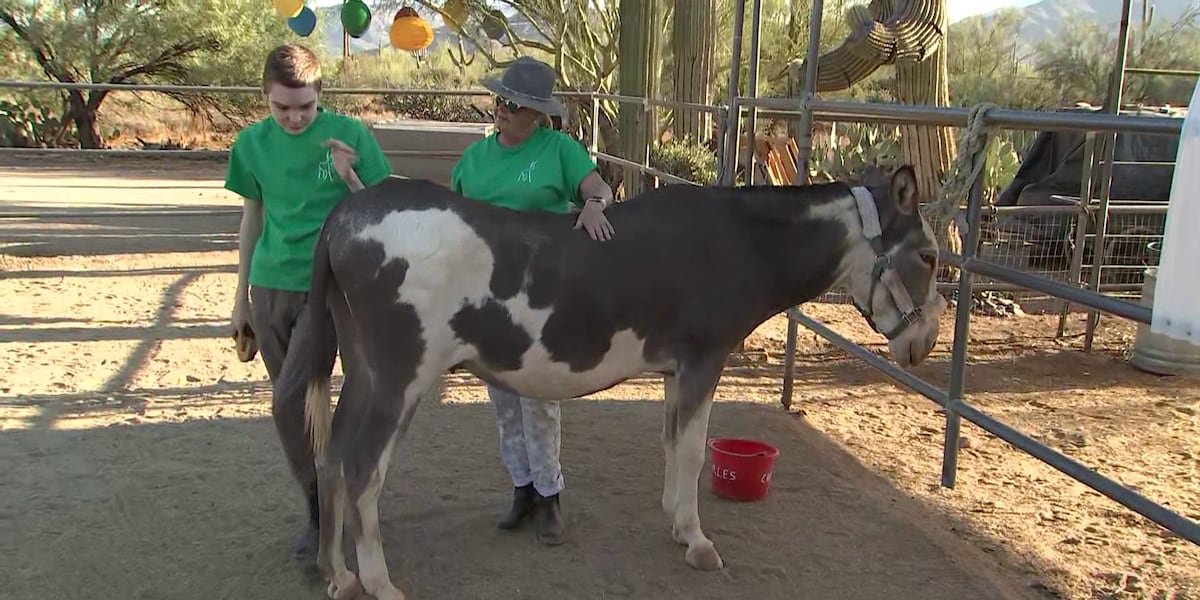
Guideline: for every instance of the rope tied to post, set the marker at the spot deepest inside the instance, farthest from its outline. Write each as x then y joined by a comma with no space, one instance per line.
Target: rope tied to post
968,163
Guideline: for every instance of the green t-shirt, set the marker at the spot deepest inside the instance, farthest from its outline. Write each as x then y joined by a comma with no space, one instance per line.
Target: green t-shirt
294,178
540,174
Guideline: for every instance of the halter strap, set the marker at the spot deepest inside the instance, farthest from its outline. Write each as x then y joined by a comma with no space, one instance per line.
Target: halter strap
883,271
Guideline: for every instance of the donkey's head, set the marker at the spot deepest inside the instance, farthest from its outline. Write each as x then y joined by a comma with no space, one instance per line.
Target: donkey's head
891,274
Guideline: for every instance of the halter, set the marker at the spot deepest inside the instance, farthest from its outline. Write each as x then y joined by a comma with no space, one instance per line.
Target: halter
883,272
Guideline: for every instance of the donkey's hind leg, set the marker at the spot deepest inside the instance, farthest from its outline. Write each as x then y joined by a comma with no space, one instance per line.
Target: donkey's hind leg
332,504
343,583
366,486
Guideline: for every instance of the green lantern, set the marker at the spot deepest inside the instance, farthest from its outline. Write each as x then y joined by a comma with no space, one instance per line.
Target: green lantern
356,17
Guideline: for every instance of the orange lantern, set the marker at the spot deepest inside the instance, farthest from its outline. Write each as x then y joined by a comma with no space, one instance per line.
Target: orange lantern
409,31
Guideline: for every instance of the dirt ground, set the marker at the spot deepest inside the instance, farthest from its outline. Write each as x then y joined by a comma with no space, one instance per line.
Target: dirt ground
140,460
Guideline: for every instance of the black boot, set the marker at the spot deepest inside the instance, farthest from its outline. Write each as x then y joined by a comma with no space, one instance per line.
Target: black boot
305,547
522,505
548,518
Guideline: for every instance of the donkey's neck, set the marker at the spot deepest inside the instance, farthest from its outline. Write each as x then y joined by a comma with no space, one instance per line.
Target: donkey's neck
811,242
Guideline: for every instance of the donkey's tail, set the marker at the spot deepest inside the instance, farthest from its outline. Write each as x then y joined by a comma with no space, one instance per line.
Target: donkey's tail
317,400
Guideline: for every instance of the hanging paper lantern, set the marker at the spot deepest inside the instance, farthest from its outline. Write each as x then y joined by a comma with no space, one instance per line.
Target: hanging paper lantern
493,24
288,8
454,13
303,23
356,18
409,31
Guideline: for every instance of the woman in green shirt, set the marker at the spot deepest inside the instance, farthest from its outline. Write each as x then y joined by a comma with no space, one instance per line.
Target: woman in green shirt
529,167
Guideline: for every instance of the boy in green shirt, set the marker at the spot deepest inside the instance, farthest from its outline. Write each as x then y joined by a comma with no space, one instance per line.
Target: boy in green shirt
291,169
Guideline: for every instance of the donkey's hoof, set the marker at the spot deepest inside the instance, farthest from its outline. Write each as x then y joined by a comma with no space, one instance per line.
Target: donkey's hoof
388,592
345,587
704,558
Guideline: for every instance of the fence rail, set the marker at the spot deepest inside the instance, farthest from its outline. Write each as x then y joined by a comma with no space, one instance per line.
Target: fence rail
911,114
226,89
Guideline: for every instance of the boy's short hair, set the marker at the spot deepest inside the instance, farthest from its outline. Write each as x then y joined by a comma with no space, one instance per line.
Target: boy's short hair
292,65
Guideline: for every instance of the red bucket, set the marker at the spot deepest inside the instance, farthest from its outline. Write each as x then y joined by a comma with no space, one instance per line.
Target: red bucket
741,468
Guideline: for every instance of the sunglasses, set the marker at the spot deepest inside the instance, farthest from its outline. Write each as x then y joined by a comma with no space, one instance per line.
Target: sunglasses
509,104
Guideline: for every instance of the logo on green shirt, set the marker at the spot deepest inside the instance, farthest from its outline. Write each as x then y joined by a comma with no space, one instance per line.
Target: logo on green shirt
294,178
541,174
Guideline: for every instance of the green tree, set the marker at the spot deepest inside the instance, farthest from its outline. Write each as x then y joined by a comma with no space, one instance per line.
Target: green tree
987,64
137,41
1081,58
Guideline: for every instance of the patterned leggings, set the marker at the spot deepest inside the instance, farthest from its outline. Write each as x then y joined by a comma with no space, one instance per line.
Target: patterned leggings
529,440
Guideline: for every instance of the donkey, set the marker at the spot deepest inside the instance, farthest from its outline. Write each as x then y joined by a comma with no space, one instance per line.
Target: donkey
420,281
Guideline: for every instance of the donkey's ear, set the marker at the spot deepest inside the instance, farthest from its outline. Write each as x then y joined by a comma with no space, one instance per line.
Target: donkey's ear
903,189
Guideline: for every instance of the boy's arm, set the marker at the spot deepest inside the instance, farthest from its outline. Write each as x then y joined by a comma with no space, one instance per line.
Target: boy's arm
240,179
248,234
373,166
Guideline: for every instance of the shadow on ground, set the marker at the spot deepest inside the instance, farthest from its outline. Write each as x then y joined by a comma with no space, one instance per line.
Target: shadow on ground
203,508
94,231
133,168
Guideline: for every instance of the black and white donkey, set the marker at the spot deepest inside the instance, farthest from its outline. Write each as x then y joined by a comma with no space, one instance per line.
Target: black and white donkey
419,280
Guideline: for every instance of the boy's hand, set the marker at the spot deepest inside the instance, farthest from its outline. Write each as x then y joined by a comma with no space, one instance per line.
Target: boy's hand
243,331
344,158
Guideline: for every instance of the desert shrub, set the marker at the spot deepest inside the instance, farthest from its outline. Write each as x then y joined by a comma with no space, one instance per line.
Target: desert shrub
691,161
403,70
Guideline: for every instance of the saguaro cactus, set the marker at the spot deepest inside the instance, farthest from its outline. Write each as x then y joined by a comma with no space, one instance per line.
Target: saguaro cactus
909,34
692,38
638,52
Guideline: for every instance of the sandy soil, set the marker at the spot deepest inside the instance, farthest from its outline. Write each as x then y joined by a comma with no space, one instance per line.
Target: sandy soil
140,460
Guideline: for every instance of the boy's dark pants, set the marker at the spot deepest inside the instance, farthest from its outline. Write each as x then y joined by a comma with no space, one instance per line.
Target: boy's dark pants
280,320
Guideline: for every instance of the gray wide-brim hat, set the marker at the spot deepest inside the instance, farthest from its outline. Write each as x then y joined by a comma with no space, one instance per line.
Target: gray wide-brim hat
528,82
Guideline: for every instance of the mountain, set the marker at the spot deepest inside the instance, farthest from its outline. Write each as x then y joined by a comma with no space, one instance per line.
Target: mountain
1043,19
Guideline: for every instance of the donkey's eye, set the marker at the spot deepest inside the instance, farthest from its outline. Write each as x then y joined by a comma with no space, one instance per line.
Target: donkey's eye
930,259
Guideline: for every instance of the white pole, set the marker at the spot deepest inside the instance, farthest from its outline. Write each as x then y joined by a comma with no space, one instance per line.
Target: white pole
1177,290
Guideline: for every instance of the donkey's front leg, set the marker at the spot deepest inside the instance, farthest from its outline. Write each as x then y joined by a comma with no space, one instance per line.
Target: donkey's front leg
695,391
669,430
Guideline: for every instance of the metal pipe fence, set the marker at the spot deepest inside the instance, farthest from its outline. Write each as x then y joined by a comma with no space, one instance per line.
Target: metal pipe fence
956,408
595,98
972,263
228,89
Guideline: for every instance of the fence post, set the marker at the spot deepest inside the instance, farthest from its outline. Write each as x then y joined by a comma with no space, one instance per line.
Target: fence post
722,119
733,123
595,144
1098,241
962,330
804,146
1082,221
752,90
